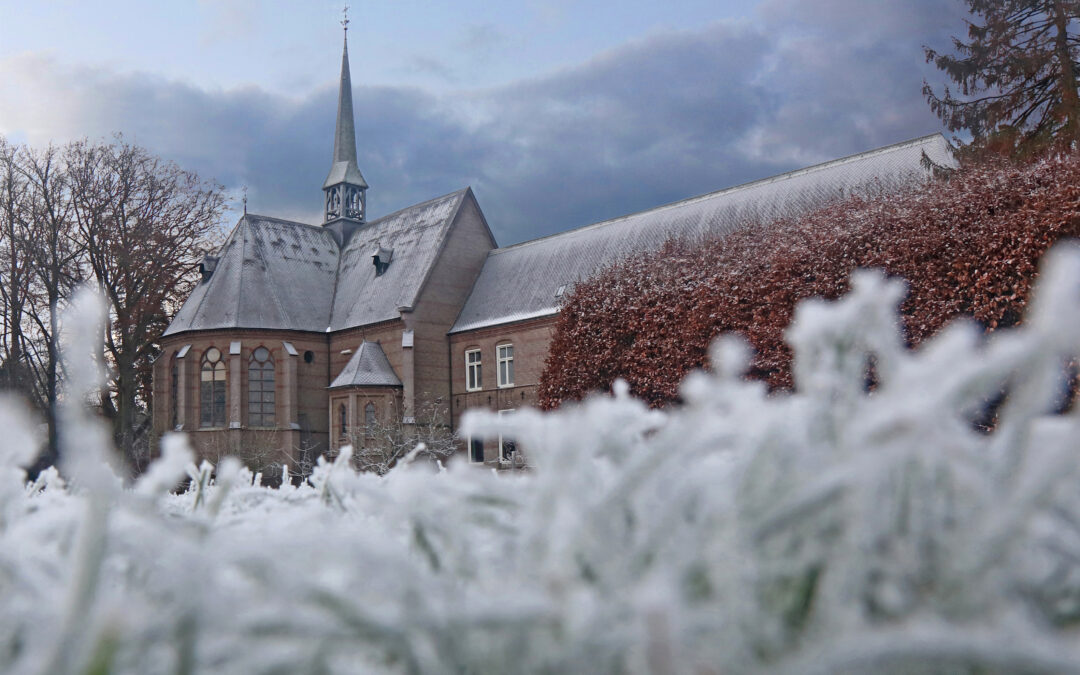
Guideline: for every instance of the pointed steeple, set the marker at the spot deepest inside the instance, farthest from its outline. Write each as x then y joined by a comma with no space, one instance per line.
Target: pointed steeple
345,186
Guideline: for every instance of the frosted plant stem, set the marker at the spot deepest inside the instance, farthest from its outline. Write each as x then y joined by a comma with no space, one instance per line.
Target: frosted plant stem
76,627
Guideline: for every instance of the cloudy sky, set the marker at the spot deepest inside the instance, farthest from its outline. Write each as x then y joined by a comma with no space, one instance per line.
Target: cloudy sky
557,112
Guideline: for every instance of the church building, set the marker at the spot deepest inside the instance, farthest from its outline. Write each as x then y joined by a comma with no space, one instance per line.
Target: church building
299,334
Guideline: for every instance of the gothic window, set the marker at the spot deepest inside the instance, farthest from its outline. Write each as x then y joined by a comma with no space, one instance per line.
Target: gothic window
472,370
174,415
369,419
505,361
261,389
343,421
212,389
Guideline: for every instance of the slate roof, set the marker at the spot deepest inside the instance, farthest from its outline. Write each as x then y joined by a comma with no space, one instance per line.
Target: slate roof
281,274
271,273
521,281
367,367
416,236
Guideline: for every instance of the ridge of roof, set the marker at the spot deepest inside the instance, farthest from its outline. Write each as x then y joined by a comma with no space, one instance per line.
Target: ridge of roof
238,270
198,306
274,219
414,206
728,190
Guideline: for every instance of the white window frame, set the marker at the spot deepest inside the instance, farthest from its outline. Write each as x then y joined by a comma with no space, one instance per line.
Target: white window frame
502,450
508,361
469,365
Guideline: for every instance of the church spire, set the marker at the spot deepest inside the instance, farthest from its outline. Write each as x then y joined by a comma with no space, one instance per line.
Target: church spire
345,186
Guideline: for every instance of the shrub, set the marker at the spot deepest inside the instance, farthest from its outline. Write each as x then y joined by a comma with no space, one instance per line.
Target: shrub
967,246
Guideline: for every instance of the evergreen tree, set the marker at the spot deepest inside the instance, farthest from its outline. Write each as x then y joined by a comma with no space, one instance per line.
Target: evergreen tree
1016,76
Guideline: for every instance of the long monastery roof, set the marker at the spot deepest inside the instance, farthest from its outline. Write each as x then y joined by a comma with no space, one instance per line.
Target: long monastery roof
524,281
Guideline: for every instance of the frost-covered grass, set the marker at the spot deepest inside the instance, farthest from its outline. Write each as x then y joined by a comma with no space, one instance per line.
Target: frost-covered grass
829,530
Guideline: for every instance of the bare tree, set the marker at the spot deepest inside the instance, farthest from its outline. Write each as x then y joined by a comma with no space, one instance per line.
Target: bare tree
144,223
54,252
113,213
260,452
15,269
379,446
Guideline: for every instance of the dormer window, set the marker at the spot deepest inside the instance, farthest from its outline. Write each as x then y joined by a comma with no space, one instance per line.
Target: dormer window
207,266
382,257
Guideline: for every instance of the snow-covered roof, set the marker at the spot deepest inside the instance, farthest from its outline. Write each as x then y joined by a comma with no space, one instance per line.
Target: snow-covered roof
368,367
524,280
281,274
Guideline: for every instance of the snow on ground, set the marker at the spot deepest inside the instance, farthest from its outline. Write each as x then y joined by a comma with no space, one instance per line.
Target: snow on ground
831,530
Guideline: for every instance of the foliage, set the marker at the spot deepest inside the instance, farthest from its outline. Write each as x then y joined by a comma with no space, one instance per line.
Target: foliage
967,247
1016,74
830,530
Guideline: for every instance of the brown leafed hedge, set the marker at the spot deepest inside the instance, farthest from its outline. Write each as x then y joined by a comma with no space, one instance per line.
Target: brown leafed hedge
968,245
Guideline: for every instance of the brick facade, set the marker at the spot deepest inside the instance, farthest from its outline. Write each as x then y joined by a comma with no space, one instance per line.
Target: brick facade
530,340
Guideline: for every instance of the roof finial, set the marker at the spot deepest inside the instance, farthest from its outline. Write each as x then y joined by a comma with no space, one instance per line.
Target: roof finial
245,200
345,20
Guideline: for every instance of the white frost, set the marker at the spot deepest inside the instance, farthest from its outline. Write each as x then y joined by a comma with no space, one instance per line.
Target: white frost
829,530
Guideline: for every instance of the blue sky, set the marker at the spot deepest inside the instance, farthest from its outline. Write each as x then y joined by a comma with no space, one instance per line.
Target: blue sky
558,113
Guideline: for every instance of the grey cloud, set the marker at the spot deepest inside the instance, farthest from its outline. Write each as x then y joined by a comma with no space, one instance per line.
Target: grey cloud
642,125
660,119
849,74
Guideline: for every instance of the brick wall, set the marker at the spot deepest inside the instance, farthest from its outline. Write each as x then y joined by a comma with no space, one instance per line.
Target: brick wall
300,420
530,339
464,251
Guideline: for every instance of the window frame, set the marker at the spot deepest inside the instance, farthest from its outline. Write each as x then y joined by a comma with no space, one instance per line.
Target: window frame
502,360
258,419
174,391
471,383
215,395
503,441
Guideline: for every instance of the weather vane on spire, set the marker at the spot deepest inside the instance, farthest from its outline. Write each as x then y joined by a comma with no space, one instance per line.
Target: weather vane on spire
345,18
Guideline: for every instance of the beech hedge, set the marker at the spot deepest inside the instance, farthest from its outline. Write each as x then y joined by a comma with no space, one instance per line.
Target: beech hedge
967,245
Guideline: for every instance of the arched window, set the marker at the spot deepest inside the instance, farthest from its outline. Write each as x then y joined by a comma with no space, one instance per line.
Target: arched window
261,389
369,419
212,389
174,415
343,421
